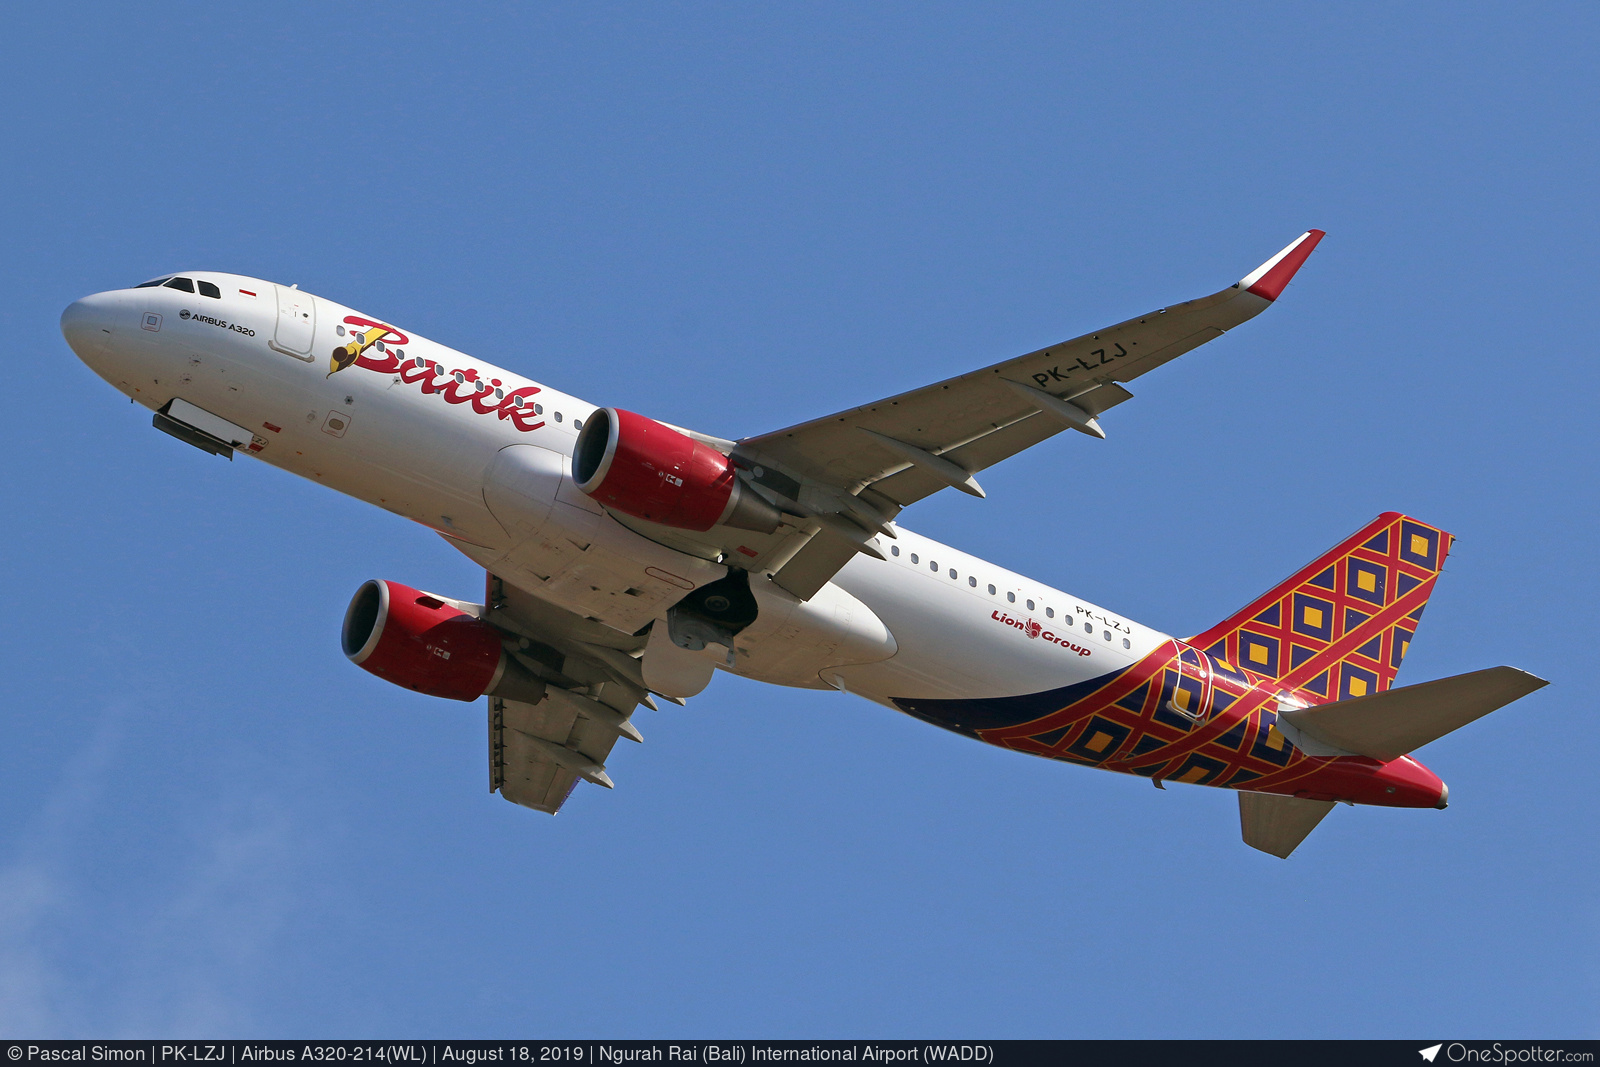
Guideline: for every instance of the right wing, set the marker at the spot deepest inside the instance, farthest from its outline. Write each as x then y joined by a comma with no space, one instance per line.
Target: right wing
539,752
593,682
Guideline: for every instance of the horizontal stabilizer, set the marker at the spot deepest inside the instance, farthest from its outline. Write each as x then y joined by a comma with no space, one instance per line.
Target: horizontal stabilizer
1387,725
1276,825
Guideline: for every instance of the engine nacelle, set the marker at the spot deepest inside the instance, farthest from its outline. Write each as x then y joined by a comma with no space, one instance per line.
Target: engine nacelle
650,471
420,642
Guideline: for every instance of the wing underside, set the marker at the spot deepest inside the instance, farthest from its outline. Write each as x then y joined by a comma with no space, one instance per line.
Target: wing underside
982,417
538,752
863,465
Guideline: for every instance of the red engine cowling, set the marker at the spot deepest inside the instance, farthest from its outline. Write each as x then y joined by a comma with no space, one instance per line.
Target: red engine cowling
650,471
418,641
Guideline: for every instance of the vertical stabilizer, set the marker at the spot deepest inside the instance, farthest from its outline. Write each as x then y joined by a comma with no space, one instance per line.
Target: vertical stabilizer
1339,627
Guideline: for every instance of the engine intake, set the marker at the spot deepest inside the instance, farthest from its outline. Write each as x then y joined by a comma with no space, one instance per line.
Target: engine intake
648,470
421,642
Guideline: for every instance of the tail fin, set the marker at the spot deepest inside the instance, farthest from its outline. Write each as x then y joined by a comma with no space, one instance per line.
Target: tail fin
1339,627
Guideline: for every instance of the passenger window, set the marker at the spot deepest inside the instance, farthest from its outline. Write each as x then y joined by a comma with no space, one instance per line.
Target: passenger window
1030,605
207,289
1049,613
181,283
558,416
914,557
972,581
152,282
952,572
1011,598
894,550
538,409
1088,627
991,590
1108,635
577,424
339,330
932,566
1126,643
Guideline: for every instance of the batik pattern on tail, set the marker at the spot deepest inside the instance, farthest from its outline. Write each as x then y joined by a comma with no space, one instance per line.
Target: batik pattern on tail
1187,712
1340,626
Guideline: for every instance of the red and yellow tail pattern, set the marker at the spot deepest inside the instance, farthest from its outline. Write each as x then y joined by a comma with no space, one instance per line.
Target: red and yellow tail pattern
1340,626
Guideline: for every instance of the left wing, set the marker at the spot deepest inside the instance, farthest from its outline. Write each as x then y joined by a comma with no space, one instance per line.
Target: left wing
976,420
891,453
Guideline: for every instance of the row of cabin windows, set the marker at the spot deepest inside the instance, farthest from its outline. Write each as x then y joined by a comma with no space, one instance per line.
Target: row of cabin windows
205,288
972,582
184,285
483,387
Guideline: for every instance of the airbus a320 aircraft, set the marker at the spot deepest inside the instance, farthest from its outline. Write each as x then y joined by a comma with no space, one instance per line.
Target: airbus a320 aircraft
626,557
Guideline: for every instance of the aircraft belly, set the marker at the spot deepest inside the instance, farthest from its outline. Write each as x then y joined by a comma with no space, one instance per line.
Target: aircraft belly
806,643
562,547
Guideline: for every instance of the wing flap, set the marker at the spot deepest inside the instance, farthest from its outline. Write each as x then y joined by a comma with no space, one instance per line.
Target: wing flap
814,566
1276,825
912,484
1388,725
529,777
537,752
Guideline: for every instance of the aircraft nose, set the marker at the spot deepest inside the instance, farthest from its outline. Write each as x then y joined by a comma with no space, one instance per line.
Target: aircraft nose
76,325
87,323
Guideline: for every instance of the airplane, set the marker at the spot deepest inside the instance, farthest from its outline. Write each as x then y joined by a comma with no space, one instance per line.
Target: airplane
626,558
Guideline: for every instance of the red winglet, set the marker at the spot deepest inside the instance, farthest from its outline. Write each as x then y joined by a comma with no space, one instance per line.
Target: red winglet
1269,279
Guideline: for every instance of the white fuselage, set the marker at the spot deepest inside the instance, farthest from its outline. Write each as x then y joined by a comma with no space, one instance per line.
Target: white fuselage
928,622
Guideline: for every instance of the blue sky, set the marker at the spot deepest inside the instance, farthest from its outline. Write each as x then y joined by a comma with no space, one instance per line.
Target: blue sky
737,217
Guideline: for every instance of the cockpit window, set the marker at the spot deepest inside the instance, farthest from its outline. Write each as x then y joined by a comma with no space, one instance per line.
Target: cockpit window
181,283
152,281
207,289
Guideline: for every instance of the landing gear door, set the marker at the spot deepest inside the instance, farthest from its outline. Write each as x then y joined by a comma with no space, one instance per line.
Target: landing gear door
672,670
296,328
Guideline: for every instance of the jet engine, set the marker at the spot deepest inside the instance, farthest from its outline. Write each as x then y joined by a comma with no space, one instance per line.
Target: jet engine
421,642
648,470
